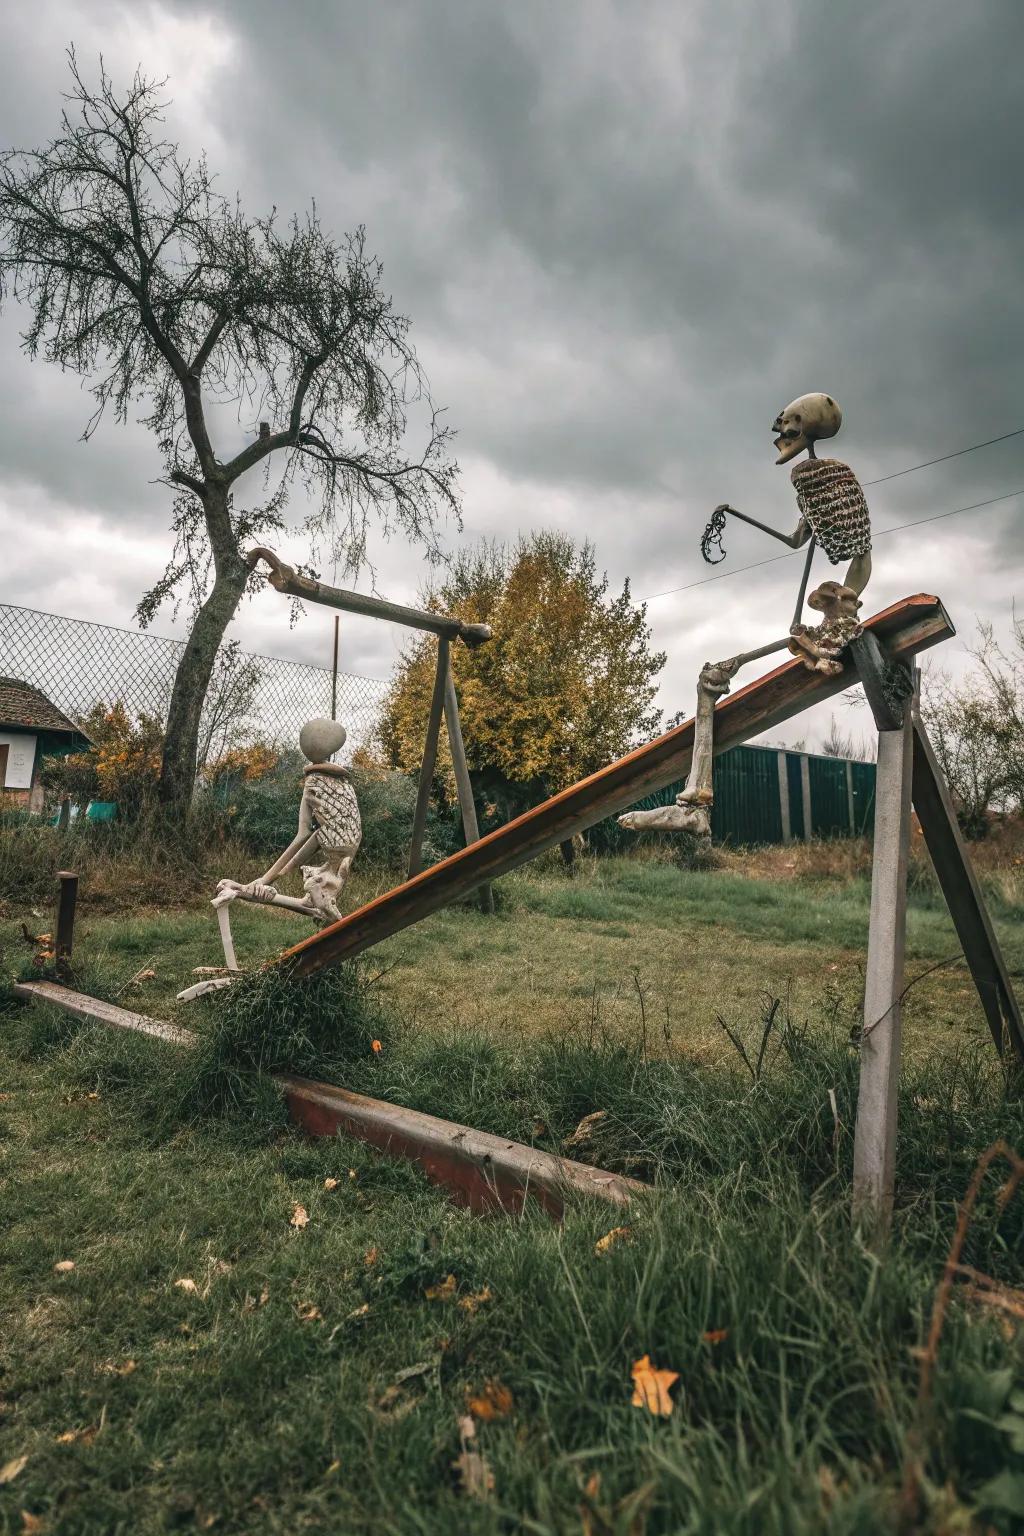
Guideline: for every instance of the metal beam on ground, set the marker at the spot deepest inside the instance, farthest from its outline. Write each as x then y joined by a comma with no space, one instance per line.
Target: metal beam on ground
907,628
477,1169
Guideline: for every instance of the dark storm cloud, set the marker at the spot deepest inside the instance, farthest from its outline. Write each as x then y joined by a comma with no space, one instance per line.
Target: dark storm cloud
626,235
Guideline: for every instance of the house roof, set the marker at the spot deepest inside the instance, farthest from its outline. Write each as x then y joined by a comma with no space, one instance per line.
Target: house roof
23,707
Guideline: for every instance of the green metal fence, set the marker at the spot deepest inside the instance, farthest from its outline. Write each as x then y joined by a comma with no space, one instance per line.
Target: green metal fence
770,795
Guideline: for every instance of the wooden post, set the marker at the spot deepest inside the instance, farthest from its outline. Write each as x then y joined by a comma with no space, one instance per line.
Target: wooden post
419,820
470,825
64,931
874,1145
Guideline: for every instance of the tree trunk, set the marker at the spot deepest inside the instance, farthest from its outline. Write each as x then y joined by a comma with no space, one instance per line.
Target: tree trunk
181,743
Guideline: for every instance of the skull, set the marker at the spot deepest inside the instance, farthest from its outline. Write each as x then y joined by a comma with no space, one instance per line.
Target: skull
803,422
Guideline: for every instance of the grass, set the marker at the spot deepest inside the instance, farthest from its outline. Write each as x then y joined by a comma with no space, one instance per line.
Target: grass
563,953
306,1380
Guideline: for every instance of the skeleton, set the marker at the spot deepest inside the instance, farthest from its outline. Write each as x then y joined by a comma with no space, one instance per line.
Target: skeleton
329,826
834,514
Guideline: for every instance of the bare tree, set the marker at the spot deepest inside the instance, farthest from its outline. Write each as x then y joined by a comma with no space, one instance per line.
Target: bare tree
140,276
972,742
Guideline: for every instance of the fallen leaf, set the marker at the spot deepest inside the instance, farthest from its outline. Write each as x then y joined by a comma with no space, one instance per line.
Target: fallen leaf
141,976
376,1047
252,1302
584,1132
70,1436
308,1313
539,1128
30,1522
473,1303
10,1469
362,1311
186,1284
715,1336
330,1183
370,1257
110,1369
335,1466
443,1291
651,1387
299,1217
475,1476
613,1238
493,1401
63,1266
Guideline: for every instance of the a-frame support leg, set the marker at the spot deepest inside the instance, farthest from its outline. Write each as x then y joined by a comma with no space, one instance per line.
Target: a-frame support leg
964,897
467,805
874,1145
419,820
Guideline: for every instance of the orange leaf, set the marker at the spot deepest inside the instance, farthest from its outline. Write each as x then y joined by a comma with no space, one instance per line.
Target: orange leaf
473,1303
299,1217
493,1401
376,1047
715,1335
651,1387
330,1183
443,1291
370,1257
611,1239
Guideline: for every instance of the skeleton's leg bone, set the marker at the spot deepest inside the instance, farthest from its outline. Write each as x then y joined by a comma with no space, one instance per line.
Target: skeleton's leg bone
224,921
690,812
202,987
713,683
859,573
804,580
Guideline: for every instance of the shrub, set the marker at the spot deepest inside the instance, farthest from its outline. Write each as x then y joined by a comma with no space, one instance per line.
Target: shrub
123,763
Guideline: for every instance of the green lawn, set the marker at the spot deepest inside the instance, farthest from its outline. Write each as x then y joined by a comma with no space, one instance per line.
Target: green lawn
305,1380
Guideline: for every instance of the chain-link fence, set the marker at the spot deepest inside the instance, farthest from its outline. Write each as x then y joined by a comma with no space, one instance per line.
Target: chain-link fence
78,664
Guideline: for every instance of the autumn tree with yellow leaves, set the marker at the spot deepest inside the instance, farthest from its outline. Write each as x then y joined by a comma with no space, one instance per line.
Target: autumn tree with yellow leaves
566,684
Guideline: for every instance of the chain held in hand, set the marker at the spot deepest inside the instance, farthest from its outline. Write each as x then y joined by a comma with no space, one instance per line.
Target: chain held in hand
711,538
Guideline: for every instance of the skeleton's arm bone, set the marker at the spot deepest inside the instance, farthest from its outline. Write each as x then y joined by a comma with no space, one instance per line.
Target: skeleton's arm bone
799,536
302,844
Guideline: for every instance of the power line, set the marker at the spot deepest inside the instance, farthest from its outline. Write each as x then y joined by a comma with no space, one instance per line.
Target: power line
898,528
946,456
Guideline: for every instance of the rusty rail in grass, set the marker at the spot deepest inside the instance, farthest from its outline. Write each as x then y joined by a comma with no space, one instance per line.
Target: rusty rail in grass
908,627
482,1171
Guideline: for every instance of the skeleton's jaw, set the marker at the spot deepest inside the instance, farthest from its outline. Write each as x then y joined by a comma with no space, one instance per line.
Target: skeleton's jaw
790,444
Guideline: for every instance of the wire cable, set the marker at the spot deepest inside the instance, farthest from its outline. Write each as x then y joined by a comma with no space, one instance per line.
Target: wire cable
945,457
773,559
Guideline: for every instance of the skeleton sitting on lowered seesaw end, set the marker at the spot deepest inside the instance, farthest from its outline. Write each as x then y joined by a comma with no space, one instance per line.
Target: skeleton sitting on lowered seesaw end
329,827
834,514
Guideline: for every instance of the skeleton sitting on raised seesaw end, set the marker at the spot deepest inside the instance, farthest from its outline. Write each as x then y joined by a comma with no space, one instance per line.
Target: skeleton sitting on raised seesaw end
834,514
329,830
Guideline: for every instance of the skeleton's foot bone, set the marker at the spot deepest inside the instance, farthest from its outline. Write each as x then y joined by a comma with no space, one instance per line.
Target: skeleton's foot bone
696,795
668,818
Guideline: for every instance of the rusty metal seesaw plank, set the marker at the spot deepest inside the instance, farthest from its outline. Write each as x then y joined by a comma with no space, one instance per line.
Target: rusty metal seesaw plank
908,627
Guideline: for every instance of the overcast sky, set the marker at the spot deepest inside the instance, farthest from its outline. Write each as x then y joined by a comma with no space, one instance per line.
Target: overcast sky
627,235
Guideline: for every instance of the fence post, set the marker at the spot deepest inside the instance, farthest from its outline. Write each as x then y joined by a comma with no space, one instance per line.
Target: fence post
64,930
787,822
805,794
